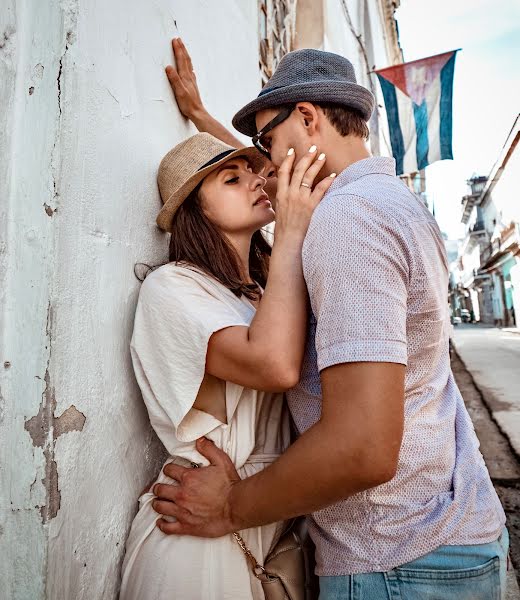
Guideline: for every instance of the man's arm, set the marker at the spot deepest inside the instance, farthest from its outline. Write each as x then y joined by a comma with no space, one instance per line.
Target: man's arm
354,447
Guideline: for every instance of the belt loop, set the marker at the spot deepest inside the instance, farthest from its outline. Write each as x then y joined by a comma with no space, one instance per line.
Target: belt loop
392,585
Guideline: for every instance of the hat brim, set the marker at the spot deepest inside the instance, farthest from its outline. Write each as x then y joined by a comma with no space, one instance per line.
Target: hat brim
350,95
165,216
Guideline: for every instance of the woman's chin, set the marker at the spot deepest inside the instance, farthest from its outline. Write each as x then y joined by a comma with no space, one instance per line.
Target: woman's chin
269,218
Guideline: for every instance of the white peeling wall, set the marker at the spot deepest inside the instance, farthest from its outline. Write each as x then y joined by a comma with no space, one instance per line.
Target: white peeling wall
86,115
28,128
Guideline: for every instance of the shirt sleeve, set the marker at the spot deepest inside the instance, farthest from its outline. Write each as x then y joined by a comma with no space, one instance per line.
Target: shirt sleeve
175,318
356,267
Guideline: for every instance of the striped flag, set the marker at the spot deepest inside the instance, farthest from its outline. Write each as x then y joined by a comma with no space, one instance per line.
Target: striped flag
418,100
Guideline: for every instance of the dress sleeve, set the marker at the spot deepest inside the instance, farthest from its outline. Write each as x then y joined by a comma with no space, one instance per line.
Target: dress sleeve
175,317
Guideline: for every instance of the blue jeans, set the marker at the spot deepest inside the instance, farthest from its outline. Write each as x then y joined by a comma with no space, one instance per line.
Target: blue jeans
448,573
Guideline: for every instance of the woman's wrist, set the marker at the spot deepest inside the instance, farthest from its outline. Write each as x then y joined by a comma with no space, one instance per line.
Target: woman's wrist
289,238
201,118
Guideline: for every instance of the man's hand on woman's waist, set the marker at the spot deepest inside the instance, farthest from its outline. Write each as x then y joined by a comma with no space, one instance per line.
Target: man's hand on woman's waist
201,501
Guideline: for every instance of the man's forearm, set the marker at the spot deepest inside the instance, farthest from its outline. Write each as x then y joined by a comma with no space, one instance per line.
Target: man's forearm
203,121
307,477
355,446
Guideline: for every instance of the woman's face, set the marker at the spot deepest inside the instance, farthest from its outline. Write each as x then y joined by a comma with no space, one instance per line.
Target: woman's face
233,198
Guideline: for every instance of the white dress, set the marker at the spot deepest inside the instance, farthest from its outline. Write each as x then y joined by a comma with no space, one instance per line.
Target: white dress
177,312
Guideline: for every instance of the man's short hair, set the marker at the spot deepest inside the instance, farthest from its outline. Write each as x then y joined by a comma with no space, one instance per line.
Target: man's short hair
346,121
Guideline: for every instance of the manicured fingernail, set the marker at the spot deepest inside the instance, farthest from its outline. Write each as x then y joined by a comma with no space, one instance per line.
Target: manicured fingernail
321,156
290,152
332,175
312,148
154,490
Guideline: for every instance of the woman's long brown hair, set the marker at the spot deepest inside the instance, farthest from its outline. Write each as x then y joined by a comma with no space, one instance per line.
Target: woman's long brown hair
197,242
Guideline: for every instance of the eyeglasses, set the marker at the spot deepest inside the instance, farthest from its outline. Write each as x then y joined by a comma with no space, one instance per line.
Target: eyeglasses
262,145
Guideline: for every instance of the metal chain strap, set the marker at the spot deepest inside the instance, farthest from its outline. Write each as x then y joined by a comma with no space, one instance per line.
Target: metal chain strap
258,571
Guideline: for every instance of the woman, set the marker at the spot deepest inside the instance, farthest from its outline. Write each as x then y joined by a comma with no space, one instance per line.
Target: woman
211,358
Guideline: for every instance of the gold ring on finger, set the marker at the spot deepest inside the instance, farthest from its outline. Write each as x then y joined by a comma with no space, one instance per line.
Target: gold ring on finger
305,184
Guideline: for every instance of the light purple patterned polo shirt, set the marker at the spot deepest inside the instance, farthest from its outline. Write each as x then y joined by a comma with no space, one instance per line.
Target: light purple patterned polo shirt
376,270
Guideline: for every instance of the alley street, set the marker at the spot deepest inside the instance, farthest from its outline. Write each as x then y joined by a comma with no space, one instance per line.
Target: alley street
482,363
492,356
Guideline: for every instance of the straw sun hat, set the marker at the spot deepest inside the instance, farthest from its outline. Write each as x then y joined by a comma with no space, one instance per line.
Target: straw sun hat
186,165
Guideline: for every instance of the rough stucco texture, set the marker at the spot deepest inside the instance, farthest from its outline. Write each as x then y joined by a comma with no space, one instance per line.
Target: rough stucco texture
88,116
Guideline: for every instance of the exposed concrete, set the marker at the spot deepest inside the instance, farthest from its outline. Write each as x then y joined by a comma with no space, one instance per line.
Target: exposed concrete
44,429
70,420
53,501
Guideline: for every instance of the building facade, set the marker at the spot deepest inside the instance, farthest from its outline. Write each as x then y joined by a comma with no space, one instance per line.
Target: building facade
500,205
486,278
87,115
466,280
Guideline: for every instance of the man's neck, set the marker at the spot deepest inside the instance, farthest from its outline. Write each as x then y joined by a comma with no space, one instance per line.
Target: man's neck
343,152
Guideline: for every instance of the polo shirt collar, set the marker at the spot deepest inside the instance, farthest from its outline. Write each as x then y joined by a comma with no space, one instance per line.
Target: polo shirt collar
374,165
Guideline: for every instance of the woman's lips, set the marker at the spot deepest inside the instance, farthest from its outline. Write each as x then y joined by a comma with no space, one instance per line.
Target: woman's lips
262,200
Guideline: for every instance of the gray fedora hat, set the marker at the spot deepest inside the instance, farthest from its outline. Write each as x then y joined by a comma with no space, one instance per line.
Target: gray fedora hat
308,76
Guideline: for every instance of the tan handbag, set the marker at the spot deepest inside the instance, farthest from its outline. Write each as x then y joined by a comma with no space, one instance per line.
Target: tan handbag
288,571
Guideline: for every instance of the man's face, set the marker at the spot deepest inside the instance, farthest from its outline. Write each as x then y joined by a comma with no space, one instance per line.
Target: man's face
288,134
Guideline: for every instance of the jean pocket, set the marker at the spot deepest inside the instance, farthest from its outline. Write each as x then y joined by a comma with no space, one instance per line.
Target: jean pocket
476,583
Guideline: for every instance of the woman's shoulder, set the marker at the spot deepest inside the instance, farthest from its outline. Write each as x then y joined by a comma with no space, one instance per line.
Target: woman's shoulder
172,274
176,281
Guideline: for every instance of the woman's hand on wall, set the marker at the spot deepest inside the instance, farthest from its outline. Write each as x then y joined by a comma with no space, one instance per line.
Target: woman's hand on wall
184,83
186,90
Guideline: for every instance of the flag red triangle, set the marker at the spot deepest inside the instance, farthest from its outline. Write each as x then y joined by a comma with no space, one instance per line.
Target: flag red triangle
415,78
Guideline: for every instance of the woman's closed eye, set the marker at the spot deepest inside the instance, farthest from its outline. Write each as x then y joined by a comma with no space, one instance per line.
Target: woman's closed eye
232,180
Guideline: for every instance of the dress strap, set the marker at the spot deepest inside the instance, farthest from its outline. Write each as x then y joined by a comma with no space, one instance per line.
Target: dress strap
262,458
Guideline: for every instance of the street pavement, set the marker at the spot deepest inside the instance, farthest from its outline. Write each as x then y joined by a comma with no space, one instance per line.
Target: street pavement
492,356
501,461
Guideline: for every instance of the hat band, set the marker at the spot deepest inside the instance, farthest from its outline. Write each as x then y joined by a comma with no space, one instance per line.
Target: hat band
266,90
215,159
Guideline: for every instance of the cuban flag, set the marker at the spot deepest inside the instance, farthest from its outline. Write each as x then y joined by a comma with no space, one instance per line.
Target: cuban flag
418,99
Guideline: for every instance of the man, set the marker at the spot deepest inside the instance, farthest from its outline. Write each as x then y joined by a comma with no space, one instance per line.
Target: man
387,462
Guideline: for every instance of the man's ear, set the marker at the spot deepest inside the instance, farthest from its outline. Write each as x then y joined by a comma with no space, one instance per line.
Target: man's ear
308,115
